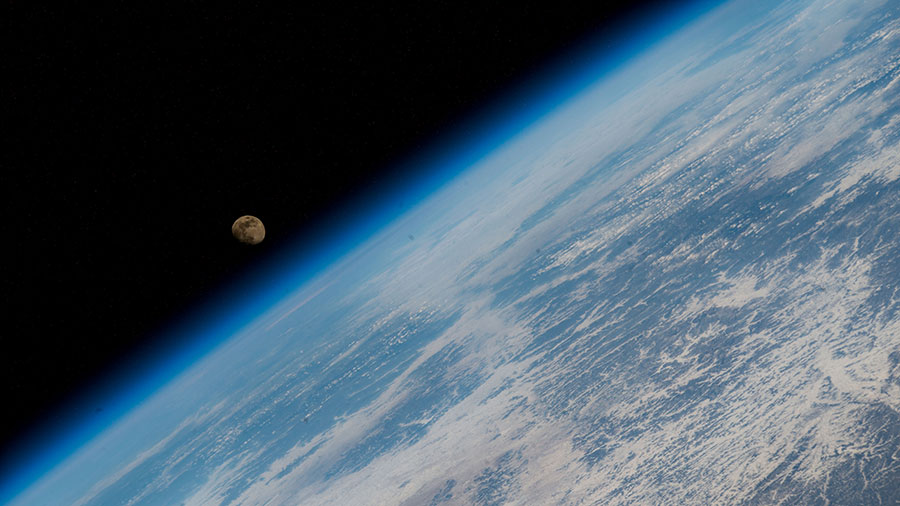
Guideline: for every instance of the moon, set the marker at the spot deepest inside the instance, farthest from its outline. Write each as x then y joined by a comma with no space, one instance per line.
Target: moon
248,229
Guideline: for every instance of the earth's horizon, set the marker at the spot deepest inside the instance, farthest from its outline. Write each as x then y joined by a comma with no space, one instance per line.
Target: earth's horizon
678,287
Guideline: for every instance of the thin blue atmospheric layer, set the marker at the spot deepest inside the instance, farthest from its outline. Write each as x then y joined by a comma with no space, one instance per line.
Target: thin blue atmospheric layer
225,314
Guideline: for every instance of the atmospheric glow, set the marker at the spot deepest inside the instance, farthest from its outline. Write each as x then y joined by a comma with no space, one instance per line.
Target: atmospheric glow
226,313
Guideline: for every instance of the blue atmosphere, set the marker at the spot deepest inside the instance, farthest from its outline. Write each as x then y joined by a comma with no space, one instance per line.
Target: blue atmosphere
223,316
593,302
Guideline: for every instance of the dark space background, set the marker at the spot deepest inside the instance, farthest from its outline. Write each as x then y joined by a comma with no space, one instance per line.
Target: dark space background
135,133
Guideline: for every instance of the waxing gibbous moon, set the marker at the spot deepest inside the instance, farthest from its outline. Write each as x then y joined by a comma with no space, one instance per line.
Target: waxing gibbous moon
248,229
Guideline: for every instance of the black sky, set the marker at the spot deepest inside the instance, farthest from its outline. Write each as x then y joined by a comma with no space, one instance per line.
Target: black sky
135,133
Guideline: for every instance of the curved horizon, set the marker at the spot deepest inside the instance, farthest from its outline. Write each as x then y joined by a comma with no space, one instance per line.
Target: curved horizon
215,321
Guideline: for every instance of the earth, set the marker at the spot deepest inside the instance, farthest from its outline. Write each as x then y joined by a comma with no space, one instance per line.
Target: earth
680,286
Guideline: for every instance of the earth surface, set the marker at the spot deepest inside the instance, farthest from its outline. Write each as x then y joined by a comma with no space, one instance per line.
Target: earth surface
678,287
